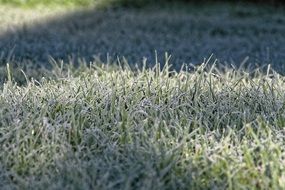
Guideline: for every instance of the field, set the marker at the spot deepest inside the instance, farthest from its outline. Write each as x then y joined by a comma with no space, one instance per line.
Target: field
91,100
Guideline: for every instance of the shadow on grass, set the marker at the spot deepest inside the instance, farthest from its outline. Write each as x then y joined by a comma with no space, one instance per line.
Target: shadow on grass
189,33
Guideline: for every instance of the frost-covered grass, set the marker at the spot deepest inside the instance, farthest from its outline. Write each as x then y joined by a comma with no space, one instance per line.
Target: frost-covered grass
105,124
109,127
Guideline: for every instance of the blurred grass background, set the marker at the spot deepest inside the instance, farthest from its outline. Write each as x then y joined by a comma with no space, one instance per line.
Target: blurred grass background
29,36
136,3
32,3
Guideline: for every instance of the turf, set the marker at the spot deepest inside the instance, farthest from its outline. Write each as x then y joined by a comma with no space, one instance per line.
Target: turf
107,127
33,3
234,33
115,124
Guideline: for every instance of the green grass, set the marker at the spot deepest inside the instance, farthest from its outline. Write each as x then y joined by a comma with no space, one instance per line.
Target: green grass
112,127
32,3
72,3
108,125
135,3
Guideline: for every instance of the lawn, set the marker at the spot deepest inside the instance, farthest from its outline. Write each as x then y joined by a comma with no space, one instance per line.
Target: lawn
33,3
73,118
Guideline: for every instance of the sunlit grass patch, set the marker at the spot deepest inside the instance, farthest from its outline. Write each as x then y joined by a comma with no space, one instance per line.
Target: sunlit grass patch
32,3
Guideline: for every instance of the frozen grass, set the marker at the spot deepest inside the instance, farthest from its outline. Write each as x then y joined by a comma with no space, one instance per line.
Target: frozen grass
110,127
106,126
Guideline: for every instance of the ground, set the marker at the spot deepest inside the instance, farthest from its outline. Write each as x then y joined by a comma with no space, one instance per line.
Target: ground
233,33
72,117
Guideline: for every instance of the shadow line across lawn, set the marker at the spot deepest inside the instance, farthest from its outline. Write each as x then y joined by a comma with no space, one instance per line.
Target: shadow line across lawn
188,32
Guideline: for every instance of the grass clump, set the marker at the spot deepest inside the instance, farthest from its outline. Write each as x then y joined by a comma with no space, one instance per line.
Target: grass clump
117,128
